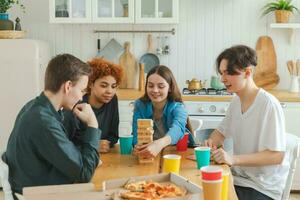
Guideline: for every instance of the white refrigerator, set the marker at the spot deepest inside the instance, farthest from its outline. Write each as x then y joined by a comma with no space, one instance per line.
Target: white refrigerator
22,66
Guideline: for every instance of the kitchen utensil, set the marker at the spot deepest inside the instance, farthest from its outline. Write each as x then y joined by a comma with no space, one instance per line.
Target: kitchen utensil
98,45
294,85
130,66
149,59
166,47
194,84
111,51
298,67
265,74
158,49
141,77
290,66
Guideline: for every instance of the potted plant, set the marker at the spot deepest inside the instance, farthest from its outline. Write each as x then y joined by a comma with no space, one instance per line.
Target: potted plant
282,9
5,23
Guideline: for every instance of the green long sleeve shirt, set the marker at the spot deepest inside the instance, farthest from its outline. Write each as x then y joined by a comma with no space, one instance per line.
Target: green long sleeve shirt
39,151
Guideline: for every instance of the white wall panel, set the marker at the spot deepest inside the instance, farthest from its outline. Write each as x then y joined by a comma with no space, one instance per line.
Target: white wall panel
205,28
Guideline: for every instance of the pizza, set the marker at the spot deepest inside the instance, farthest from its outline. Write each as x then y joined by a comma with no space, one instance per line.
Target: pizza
150,190
136,186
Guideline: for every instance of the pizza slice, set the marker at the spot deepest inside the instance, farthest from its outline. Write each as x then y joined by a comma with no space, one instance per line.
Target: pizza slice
171,190
136,186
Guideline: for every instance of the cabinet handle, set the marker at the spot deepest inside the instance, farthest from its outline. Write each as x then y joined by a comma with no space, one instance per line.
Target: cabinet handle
283,105
131,104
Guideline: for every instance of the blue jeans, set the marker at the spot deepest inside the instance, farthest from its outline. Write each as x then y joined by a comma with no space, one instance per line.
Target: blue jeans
246,193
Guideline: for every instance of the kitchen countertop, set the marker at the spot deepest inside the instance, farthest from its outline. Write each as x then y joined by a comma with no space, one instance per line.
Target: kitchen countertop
281,95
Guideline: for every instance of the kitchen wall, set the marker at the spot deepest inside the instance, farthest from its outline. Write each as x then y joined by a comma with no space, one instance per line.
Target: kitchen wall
205,28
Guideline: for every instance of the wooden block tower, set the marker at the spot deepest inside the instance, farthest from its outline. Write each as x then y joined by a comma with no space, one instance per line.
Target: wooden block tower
145,135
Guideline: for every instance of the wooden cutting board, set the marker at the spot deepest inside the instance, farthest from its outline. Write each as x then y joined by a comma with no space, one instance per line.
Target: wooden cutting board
265,75
130,66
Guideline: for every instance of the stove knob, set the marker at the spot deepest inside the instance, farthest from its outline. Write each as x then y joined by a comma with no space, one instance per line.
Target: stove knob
212,108
201,109
223,110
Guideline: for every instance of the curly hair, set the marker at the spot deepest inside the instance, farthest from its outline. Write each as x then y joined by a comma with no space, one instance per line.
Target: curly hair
101,67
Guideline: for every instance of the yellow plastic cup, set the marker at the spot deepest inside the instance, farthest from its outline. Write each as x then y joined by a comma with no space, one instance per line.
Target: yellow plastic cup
225,182
171,163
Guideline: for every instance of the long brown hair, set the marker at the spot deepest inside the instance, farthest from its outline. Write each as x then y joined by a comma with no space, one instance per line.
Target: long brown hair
174,93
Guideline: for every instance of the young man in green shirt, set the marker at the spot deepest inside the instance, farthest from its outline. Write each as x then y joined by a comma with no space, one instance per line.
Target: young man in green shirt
39,151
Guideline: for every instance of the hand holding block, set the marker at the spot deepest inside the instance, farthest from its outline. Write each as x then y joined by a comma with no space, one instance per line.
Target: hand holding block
145,139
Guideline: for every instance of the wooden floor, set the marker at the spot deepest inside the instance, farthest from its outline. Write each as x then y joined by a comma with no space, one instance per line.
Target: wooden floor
294,196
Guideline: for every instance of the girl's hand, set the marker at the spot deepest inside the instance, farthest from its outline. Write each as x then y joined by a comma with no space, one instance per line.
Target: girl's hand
138,148
150,150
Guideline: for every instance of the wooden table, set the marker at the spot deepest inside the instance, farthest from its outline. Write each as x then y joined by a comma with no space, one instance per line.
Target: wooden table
116,166
188,169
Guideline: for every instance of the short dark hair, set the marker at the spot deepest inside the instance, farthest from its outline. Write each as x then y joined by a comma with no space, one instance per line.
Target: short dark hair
63,68
239,57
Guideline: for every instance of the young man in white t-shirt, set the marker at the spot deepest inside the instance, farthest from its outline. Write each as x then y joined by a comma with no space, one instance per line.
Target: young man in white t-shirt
255,122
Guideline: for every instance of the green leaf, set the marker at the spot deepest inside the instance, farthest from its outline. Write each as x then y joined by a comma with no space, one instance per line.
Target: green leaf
278,5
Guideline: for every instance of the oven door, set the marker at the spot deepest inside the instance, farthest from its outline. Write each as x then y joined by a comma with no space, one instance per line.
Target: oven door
210,123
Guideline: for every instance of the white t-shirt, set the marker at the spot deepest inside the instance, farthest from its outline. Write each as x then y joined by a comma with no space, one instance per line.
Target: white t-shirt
260,128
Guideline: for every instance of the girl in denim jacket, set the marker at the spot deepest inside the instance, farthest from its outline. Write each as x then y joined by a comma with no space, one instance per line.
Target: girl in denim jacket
161,102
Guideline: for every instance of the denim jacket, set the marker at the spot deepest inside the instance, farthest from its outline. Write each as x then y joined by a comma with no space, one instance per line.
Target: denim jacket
174,118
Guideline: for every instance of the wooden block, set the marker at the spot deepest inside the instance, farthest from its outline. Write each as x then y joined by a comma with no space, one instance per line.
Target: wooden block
145,131
144,140
145,123
146,160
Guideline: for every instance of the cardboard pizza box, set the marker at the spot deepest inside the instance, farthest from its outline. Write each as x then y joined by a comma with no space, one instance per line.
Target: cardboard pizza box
61,192
194,192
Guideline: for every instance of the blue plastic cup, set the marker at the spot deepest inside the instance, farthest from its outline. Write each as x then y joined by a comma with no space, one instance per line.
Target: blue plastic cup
202,155
126,144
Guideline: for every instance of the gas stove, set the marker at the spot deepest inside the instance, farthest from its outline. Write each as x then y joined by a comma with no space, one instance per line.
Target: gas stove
206,91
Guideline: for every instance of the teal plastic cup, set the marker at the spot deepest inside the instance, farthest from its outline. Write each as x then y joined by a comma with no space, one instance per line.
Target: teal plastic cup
126,144
202,155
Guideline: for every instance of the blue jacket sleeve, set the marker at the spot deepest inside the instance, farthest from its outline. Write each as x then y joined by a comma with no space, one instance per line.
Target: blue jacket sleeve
136,115
177,128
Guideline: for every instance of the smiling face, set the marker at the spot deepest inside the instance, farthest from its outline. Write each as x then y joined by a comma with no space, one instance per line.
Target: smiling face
233,83
74,92
104,89
157,88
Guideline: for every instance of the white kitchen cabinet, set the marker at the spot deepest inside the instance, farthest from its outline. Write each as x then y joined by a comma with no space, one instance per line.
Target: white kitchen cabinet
156,11
292,116
114,11
125,114
70,11
91,11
